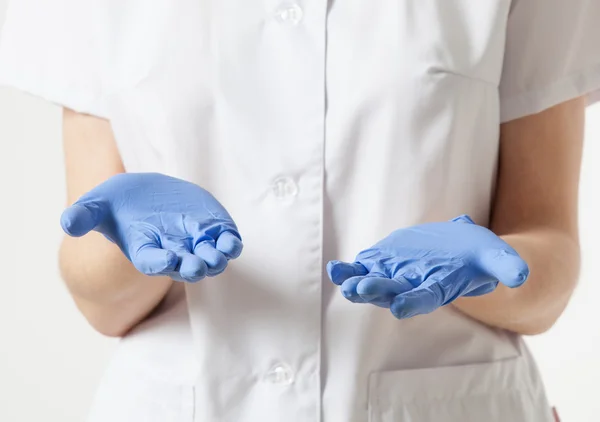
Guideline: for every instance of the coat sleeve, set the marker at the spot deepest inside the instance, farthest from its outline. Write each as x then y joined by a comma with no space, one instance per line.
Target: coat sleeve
50,49
552,55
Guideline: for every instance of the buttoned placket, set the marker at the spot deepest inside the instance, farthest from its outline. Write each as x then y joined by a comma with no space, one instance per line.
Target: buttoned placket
306,19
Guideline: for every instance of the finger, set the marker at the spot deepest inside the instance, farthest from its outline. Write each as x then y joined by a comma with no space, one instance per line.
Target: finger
230,245
80,218
150,259
339,271
192,268
382,289
422,300
482,290
145,251
463,219
506,266
214,259
348,289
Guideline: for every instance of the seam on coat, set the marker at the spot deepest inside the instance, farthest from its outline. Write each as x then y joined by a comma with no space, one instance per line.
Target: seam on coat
519,96
576,84
421,400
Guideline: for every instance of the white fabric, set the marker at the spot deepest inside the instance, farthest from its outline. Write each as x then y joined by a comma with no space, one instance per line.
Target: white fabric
552,55
321,129
47,48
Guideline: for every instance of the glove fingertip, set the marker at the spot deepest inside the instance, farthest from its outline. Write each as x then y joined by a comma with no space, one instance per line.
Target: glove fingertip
507,266
171,261
192,268
516,279
416,302
348,290
331,265
340,271
230,245
66,222
154,261
77,220
397,307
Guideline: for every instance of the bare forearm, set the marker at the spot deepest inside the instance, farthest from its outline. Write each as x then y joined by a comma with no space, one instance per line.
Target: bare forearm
553,259
535,211
108,290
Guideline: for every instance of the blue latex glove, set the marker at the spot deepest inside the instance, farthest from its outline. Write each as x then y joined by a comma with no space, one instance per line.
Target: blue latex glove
163,225
419,269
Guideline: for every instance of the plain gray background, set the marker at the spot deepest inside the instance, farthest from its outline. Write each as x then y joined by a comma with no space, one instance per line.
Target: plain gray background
51,361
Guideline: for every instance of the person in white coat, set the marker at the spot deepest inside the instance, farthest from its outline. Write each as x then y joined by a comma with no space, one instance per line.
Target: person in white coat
340,141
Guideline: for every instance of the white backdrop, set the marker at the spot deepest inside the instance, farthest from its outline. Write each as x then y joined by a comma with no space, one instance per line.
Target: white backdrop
51,361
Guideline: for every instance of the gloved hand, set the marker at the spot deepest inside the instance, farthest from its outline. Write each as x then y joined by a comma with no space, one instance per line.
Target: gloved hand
163,225
419,269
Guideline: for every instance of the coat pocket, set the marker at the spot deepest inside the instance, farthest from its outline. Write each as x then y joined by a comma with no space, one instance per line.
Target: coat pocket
504,391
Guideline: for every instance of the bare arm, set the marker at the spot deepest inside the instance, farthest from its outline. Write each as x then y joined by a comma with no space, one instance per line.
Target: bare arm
535,211
108,290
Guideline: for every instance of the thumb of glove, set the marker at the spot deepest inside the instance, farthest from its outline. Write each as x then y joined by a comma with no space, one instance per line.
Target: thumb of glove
82,217
506,266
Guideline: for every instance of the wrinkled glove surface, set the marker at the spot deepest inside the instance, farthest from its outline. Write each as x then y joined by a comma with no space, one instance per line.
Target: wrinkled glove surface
163,225
419,269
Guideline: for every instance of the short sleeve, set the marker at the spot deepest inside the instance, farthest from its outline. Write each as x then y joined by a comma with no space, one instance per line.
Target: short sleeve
552,55
48,49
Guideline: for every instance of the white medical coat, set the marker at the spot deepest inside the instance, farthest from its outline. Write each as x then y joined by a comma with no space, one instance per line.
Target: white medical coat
322,127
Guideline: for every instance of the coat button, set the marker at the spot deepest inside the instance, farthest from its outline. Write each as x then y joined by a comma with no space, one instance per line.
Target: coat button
291,14
284,187
280,374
